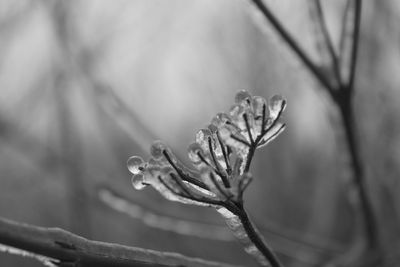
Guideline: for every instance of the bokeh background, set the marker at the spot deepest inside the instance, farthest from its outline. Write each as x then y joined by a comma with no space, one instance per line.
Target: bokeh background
86,84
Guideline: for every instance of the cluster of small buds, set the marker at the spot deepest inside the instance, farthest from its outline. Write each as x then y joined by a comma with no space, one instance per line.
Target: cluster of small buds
220,155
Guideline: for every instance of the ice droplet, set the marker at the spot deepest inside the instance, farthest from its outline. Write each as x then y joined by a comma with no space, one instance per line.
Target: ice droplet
242,96
135,164
193,152
276,105
157,149
137,181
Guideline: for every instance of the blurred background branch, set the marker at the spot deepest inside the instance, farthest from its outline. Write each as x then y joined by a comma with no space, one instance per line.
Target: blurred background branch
85,85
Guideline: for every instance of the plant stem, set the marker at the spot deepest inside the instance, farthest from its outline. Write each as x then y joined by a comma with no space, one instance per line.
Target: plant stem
347,115
257,240
328,40
354,49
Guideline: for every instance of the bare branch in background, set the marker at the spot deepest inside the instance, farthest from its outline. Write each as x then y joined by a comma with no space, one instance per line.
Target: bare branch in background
324,42
346,38
291,42
62,248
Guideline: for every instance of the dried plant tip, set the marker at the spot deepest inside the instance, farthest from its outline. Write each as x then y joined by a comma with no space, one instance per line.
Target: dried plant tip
135,164
157,149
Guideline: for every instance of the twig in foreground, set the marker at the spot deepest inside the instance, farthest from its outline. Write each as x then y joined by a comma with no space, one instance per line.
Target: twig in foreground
66,247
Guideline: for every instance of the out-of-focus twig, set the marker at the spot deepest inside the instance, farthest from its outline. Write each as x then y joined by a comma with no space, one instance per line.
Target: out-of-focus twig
324,40
309,251
290,41
355,44
153,220
67,249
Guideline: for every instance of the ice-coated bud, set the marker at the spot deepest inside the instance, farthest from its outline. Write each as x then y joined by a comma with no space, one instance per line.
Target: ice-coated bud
194,150
259,105
225,133
157,149
137,181
236,112
213,129
220,119
276,104
242,96
135,164
202,137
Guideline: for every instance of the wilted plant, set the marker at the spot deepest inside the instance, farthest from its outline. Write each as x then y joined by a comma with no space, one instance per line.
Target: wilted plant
221,156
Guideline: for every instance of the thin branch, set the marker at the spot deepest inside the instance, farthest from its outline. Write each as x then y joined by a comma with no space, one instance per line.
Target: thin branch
321,24
355,44
343,30
371,228
293,45
69,248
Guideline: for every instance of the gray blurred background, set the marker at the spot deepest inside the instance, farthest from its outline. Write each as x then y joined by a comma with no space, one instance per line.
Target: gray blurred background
86,84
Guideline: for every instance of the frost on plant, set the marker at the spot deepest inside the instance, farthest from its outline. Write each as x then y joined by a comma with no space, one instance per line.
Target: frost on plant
220,155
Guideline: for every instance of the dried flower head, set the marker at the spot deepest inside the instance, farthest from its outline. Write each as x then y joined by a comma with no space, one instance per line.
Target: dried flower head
220,155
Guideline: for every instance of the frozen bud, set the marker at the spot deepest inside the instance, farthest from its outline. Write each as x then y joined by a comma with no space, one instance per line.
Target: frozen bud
193,152
276,105
259,106
221,119
137,181
242,97
213,129
225,133
202,138
135,164
236,112
157,149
